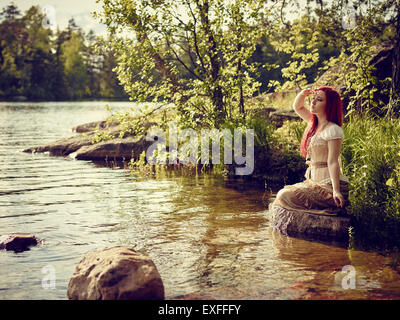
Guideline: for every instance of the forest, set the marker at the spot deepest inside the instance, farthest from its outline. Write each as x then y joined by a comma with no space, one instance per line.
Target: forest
39,64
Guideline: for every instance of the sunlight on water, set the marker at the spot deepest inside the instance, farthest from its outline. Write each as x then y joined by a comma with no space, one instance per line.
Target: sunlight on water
207,237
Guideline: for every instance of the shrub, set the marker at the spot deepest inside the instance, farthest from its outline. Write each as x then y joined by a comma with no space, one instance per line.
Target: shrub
371,160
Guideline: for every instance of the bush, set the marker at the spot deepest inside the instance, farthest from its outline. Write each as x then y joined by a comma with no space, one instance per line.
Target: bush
371,161
290,134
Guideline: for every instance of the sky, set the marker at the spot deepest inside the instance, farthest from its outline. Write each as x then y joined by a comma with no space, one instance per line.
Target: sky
64,10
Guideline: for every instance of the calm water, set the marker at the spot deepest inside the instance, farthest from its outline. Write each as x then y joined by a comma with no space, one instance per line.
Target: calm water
206,237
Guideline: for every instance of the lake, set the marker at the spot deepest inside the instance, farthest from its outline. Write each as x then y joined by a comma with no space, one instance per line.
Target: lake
209,237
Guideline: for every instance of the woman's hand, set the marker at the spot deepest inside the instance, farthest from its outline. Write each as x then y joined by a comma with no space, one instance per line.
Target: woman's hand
338,198
307,92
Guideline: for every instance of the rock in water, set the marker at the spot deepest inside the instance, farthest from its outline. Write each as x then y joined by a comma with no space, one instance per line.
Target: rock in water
17,242
318,227
117,149
116,273
63,147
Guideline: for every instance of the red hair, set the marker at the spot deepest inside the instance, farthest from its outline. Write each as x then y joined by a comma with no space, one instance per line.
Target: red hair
334,113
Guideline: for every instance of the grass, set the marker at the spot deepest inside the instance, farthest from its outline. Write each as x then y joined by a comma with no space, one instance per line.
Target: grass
371,160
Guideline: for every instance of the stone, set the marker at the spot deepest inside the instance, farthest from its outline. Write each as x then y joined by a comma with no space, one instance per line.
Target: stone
116,273
63,147
313,226
66,146
92,126
116,149
17,242
279,117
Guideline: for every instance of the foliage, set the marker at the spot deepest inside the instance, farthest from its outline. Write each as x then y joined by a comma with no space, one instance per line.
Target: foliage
317,41
183,51
371,160
359,82
40,64
300,43
263,131
290,134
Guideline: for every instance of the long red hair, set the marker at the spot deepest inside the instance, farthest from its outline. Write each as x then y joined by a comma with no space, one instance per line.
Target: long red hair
334,113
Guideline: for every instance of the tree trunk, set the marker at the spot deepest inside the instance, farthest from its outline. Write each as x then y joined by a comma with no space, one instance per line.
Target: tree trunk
217,94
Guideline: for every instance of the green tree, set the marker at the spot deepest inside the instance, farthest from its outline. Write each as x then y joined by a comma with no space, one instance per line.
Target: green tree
395,85
212,40
10,12
93,64
12,43
108,79
37,67
74,66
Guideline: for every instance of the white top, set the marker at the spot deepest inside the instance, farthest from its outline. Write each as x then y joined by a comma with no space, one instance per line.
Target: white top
333,131
318,152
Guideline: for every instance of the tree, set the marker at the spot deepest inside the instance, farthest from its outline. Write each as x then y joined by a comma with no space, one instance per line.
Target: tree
37,67
10,12
211,40
74,66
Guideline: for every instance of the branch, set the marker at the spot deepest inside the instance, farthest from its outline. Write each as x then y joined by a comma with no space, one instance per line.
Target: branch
195,38
181,62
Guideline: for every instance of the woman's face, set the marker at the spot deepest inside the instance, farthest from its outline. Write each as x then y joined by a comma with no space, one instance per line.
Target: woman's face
318,103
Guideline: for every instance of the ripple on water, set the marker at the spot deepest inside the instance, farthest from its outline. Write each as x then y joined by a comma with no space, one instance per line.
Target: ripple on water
205,237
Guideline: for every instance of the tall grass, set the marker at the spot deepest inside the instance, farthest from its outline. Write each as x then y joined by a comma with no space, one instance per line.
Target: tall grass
371,160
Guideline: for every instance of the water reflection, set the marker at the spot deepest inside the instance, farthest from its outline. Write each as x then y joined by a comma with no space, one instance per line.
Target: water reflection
324,263
207,236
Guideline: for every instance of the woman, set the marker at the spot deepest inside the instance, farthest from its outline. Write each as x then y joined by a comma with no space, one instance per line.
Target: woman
325,190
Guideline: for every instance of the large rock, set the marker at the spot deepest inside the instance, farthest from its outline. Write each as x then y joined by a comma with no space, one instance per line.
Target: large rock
92,126
17,242
63,147
116,149
66,146
313,226
116,273
279,117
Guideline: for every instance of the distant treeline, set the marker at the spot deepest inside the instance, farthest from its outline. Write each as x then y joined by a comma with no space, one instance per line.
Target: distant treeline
39,64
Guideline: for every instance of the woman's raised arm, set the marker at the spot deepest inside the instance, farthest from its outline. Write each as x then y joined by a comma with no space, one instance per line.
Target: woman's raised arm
298,105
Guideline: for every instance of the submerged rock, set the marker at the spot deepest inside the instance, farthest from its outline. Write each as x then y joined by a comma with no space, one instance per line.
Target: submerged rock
17,242
116,273
318,227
